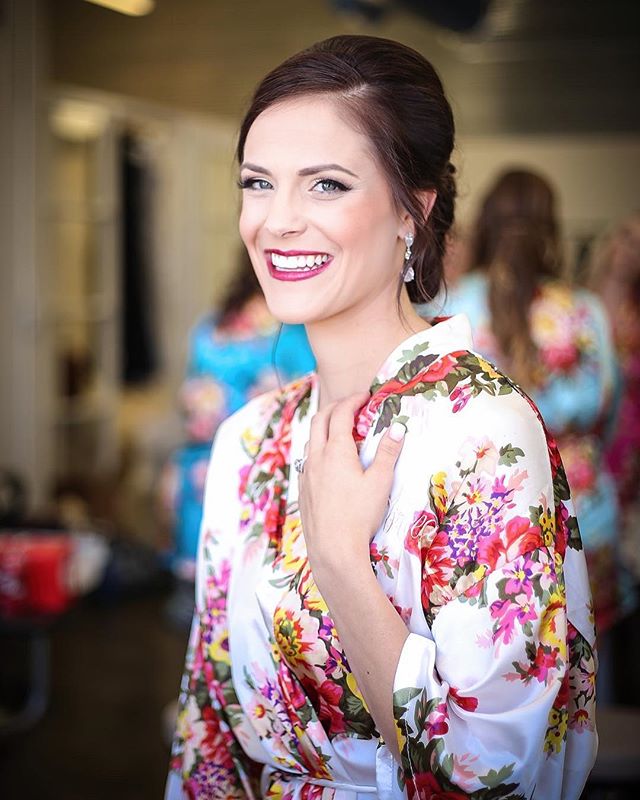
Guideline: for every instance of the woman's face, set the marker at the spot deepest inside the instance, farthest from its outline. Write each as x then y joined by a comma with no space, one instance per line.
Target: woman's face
318,218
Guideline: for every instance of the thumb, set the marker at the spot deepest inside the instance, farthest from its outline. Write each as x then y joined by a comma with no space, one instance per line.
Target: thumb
387,454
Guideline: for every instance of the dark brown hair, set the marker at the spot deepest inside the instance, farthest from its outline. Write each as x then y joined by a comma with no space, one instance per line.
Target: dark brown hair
394,96
516,241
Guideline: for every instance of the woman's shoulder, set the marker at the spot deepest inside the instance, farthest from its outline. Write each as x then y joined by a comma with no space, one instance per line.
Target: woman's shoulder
256,414
463,390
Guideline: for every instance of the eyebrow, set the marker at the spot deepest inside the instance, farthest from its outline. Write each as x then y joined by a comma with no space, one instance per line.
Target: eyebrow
303,172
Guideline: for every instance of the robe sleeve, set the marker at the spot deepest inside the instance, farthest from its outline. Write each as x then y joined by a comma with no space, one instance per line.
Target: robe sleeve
207,759
484,697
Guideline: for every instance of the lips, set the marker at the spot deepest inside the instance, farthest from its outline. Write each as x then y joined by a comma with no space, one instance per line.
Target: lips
296,265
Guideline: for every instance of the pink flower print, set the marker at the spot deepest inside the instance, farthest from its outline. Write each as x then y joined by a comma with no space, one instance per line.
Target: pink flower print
460,396
291,690
420,531
425,786
481,455
520,577
364,420
311,792
273,455
583,681
519,536
476,491
244,477
437,723
546,661
329,696
581,721
506,613
467,702
438,567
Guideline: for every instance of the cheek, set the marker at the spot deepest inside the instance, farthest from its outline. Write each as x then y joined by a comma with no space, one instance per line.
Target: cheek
249,222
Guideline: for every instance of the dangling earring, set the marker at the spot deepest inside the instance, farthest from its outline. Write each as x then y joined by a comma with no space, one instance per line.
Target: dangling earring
409,273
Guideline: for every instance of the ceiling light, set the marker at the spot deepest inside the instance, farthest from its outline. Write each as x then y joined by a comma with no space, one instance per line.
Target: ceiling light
133,8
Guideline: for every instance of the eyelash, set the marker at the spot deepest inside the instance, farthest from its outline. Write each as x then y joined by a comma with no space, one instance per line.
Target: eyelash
248,183
340,187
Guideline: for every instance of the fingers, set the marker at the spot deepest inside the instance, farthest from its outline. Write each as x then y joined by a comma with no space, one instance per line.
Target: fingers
319,431
343,414
389,449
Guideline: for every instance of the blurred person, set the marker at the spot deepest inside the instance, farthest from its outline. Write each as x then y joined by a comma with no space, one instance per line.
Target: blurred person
554,340
235,353
614,274
377,613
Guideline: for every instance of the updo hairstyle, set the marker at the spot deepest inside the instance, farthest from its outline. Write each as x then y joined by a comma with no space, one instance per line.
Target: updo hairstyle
392,95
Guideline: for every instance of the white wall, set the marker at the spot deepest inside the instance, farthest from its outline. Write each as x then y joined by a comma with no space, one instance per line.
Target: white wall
597,177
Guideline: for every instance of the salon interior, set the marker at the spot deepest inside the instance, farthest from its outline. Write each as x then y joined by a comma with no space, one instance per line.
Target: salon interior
118,233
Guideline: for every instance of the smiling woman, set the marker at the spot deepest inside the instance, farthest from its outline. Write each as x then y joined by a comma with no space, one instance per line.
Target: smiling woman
392,597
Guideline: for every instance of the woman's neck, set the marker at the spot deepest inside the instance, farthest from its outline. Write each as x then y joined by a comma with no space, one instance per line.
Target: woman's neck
351,348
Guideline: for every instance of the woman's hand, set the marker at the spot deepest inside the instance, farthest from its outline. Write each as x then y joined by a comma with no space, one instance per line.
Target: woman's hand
342,504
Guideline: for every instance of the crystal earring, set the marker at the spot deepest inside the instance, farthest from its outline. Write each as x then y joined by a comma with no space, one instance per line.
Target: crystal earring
409,273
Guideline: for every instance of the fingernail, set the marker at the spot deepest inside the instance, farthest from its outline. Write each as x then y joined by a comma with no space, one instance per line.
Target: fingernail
397,431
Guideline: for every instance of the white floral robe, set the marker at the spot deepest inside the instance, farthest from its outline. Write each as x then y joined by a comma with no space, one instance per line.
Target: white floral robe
479,553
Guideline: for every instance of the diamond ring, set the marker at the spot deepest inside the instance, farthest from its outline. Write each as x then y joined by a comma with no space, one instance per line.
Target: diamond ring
298,465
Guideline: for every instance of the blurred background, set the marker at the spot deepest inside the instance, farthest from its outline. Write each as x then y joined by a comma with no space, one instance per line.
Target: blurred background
118,235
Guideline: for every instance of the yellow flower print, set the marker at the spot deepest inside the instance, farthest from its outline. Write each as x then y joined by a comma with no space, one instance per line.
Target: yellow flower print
488,368
291,557
289,636
250,442
439,492
556,731
353,688
548,527
552,631
218,650
275,791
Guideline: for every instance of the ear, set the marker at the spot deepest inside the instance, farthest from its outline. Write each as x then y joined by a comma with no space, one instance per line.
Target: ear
427,200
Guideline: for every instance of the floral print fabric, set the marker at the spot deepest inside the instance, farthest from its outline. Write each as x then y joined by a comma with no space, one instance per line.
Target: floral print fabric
575,395
480,555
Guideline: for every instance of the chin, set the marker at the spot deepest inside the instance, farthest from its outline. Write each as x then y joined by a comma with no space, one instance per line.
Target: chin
288,315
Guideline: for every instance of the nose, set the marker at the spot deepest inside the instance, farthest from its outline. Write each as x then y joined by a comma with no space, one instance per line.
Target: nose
284,217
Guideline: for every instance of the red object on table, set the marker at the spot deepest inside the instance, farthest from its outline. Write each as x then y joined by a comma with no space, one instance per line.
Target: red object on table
33,573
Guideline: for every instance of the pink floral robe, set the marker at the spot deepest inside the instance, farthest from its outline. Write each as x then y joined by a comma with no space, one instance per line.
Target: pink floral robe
479,553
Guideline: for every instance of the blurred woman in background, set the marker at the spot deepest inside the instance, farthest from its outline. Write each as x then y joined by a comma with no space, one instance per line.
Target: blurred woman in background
555,342
615,275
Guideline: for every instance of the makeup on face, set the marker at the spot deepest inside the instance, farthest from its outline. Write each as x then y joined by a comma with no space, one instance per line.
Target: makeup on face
296,265
316,205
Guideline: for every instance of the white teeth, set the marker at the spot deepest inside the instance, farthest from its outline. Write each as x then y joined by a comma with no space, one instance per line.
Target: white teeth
298,263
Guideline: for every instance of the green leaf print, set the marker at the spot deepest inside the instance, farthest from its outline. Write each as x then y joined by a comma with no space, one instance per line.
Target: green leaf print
509,455
574,541
402,697
494,778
